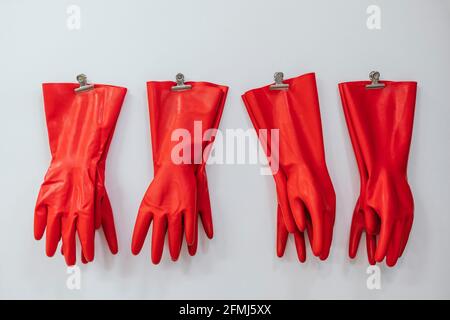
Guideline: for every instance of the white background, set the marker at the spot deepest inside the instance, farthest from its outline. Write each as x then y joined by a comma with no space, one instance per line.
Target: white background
240,44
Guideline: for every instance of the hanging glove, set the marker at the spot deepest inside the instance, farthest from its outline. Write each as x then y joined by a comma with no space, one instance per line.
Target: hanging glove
380,125
79,127
306,198
178,120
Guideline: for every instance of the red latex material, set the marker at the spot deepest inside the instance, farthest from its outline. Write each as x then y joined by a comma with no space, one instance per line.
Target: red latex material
178,192
103,214
72,199
203,201
380,123
306,198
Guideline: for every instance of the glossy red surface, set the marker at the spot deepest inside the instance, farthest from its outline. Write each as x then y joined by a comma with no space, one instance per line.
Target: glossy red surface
306,198
178,193
72,199
380,123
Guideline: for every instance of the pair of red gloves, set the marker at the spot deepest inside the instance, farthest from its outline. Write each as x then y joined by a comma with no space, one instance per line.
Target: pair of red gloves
73,199
380,125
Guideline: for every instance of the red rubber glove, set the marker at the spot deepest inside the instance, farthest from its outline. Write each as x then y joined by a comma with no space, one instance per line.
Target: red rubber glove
380,125
306,198
170,201
79,127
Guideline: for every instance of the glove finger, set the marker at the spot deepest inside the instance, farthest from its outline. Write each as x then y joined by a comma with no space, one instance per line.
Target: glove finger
371,242
204,204
109,228
206,218
387,227
356,230
83,258
190,223
99,206
158,235
40,220
53,235
329,217
86,234
314,210
175,236
405,236
299,238
192,249
394,246
68,226
140,231
327,236
283,202
282,233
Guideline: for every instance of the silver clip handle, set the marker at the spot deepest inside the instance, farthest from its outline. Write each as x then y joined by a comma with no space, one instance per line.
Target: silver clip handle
84,85
374,77
279,85
180,86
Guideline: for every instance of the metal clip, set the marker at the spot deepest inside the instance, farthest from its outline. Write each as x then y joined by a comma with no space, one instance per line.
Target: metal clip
179,78
374,76
84,85
279,85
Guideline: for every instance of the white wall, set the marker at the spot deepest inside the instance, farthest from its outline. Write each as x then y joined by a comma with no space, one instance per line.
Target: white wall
240,44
